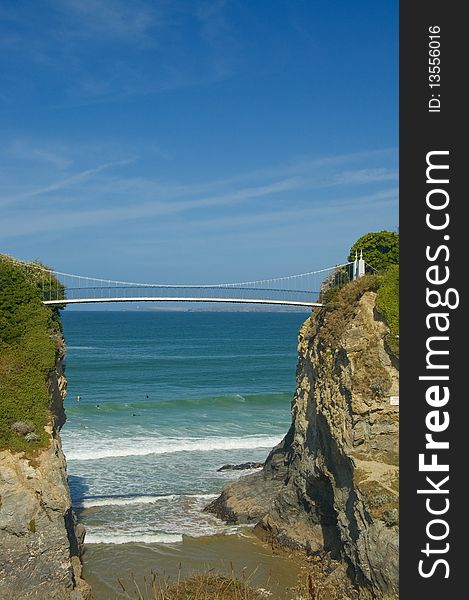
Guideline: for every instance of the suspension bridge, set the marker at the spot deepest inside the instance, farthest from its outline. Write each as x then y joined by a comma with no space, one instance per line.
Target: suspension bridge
303,289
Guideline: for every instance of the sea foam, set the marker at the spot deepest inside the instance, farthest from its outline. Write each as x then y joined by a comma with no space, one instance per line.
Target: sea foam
124,501
121,447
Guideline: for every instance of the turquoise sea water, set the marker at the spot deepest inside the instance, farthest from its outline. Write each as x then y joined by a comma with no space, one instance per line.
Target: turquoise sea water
166,399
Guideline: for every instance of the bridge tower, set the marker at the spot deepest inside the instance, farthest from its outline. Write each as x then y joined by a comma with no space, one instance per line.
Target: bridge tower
361,265
358,266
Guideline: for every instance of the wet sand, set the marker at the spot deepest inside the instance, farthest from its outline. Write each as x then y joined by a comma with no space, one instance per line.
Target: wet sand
104,563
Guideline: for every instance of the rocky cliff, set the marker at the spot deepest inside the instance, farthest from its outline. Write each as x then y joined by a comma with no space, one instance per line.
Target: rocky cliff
40,542
331,487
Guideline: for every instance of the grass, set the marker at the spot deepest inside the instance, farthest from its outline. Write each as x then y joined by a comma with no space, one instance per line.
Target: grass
197,587
29,341
212,586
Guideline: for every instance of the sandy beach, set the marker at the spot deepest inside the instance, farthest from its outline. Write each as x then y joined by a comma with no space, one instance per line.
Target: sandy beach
244,555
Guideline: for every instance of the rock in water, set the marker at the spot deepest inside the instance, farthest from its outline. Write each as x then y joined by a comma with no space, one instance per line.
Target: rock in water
241,467
331,486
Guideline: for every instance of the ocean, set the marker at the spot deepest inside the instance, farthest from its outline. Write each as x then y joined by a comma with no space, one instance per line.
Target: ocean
157,402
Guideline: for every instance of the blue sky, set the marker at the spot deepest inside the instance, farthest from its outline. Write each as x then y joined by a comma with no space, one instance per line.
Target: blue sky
196,141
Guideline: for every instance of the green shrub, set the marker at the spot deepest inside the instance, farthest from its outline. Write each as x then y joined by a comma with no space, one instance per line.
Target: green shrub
380,249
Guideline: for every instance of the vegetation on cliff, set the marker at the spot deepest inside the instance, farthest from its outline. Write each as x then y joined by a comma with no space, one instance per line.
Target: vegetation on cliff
341,306
380,249
29,341
387,302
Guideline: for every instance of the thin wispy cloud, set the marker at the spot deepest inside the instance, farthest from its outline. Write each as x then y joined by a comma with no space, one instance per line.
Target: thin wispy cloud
26,151
233,225
63,184
98,197
365,176
302,174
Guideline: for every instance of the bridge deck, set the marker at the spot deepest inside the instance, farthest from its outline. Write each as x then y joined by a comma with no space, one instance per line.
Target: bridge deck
179,299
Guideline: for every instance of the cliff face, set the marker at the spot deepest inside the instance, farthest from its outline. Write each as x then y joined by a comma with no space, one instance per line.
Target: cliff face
331,487
39,540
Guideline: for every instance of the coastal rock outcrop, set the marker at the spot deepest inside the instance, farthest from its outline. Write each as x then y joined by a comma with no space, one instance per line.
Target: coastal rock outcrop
330,488
40,543
241,467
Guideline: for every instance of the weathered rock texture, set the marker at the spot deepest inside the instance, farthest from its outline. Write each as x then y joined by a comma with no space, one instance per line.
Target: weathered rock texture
40,543
331,487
